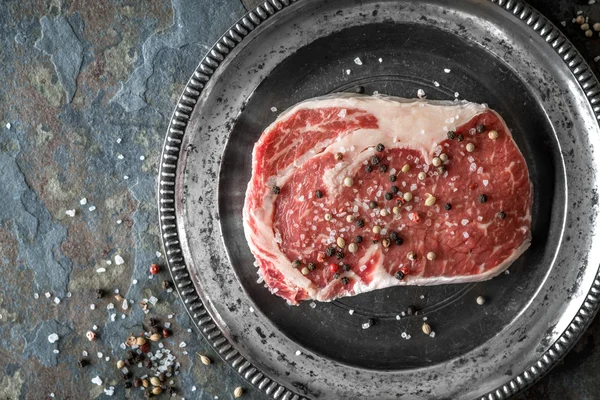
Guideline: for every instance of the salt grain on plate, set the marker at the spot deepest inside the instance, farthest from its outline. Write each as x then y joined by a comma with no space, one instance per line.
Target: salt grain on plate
120,156
380,59
101,270
182,344
57,300
447,70
53,337
420,93
298,352
92,306
436,84
8,125
70,213
126,177
83,201
142,158
92,208
47,294
97,380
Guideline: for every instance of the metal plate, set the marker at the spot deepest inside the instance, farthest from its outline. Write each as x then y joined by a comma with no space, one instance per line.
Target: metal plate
504,54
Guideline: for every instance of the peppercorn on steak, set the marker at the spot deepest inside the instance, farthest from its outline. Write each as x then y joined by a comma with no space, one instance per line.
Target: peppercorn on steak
356,193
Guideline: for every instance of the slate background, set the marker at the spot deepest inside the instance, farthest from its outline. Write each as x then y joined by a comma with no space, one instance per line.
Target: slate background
75,77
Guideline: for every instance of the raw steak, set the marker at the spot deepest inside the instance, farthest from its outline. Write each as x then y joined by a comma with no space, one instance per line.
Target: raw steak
355,193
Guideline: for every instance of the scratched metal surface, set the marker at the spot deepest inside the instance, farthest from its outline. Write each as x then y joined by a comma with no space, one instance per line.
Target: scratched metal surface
75,77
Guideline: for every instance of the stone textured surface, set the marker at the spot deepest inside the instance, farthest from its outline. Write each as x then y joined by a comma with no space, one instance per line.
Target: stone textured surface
87,90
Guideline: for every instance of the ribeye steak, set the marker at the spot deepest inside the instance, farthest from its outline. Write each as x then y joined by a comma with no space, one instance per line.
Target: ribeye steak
355,193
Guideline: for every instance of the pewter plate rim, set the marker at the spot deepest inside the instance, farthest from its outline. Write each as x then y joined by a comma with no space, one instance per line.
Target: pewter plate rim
169,173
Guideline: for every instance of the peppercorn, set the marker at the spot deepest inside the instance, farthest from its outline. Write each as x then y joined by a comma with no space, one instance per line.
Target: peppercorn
84,363
336,275
148,363
451,135
410,310
166,285
393,235
399,275
155,329
137,382
345,280
166,333
338,156
368,168
480,128
389,196
375,160
360,223
345,267
162,377
372,204
359,89
447,206
460,137
311,266
358,239
501,215
276,190
145,348
339,255
172,390
154,269
383,168
330,251
441,169
394,189
296,264
393,178
319,194
127,385
380,147
482,198
99,293
399,241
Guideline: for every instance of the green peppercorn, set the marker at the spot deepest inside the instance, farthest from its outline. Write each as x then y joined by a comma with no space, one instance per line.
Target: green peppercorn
393,178
319,194
399,275
311,266
394,189
345,267
383,168
460,137
501,215
296,264
368,168
380,147
372,204
480,128
345,280
447,206
482,198
389,196
451,135
375,160
276,190
330,251
360,222
358,239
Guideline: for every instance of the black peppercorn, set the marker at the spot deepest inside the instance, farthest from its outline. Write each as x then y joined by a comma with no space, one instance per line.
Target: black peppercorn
83,363
393,235
296,264
399,241
451,135
318,194
127,385
372,204
148,363
359,89
156,329
162,377
368,168
480,128
380,147
393,178
345,280
336,276
447,206
345,267
330,251
399,275
482,198
99,293
441,169
358,239
339,255
154,322
501,215
172,390
166,284
276,190
129,355
383,168
311,266
389,196
460,137
360,222
394,189
375,160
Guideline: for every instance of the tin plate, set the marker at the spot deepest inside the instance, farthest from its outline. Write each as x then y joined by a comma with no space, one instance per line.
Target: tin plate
500,53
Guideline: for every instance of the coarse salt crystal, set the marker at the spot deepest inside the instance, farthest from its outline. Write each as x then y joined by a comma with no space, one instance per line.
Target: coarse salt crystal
36,295
182,344
47,294
126,177
274,109
8,125
466,235
57,300
420,93
101,270
350,312
83,201
53,337
120,156
313,304
92,306
119,221
447,70
135,281
110,306
153,300
119,140
92,208
456,94
398,317
348,72
464,222
357,61
97,380
380,59
119,260
436,84
298,352
142,158
70,213
485,182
